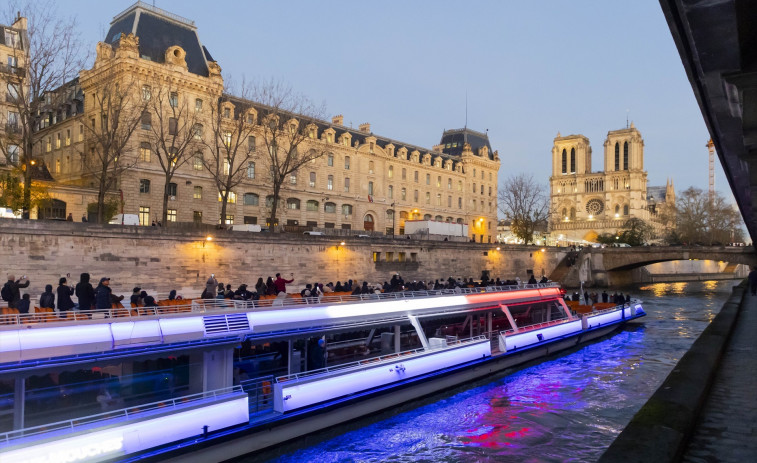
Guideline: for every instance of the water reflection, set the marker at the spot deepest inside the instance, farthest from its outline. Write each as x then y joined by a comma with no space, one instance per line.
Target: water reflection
567,408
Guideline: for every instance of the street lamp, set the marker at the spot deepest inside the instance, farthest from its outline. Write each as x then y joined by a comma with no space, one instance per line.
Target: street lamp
394,220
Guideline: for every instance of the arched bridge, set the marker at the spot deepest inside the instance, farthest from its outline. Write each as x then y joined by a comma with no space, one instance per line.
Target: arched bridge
614,266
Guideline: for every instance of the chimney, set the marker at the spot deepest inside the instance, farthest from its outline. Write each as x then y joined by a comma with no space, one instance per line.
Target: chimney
337,120
365,127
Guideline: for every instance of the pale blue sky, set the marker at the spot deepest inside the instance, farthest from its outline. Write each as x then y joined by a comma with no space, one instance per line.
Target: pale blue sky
530,69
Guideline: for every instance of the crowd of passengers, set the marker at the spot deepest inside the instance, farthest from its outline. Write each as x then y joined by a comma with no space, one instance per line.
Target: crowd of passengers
101,297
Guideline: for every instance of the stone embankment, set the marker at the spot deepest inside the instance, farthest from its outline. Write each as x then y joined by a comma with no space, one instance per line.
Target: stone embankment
161,259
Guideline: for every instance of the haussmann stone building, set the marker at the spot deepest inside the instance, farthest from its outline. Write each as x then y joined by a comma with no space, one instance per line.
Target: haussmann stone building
359,181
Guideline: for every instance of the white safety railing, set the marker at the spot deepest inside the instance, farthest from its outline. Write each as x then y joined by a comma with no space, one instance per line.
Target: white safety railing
162,405
225,305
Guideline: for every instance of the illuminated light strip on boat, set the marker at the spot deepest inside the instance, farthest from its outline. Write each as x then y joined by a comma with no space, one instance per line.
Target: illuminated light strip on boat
134,436
298,394
601,319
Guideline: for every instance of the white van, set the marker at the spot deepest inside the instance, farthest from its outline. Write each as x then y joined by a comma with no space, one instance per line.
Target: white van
128,219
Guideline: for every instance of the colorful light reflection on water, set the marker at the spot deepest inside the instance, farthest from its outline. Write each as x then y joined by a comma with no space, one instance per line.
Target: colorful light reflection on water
567,408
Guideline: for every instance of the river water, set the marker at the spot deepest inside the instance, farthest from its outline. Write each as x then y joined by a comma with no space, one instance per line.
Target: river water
565,408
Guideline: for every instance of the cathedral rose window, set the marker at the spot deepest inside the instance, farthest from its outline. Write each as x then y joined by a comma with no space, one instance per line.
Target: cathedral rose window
595,206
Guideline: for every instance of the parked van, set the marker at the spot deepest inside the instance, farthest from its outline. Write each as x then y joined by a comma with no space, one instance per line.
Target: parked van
128,219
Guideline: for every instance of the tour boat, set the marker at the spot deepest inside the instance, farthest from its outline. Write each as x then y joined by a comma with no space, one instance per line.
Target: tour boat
208,380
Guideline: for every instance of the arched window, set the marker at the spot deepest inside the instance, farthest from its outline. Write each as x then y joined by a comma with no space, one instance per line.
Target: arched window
403,215
459,220
269,201
449,220
617,156
439,218
427,217
572,160
251,199
329,208
391,171
564,162
565,212
572,213
370,188
346,209
293,203
617,209
625,155
625,209
312,205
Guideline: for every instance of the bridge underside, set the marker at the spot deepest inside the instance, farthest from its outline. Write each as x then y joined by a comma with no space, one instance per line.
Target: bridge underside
717,42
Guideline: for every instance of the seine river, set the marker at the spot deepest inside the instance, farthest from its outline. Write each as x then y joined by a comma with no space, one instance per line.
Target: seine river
566,408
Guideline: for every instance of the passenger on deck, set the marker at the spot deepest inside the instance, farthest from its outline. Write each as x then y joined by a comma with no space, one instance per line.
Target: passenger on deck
47,299
11,290
242,294
136,299
85,293
24,304
270,287
172,295
281,284
328,287
544,279
64,295
605,296
229,293
260,287
532,280
149,301
210,287
338,287
102,294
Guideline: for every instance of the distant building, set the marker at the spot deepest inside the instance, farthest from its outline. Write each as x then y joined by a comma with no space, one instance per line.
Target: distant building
585,204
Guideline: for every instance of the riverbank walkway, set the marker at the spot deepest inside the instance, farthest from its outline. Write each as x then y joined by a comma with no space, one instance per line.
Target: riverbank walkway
706,409
727,427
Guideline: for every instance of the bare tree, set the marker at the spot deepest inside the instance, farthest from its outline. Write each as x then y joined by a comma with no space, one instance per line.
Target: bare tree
705,220
231,144
176,131
118,111
47,53
288,119
523,202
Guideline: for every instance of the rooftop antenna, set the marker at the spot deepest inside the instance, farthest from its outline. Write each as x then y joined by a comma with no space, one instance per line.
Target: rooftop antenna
627,111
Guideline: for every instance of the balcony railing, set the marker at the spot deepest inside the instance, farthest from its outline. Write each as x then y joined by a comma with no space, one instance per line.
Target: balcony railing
13,70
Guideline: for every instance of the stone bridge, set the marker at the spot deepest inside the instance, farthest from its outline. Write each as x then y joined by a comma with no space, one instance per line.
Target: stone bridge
615,266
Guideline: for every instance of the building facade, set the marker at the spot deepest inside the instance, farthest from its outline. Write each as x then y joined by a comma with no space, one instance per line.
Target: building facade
362,181
585,204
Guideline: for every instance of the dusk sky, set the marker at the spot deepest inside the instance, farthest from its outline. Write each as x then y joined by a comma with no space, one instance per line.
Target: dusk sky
529,68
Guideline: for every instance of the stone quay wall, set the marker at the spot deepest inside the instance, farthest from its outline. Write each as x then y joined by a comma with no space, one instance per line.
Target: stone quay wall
161,259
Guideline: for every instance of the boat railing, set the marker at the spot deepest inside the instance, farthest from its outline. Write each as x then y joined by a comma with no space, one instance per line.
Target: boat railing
163,405
373,361
260,392
226,305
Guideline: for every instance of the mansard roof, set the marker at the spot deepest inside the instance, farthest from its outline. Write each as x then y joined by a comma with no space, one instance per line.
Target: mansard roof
158,30
453,141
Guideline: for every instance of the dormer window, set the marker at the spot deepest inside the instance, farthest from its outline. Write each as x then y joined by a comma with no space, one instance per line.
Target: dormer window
226,112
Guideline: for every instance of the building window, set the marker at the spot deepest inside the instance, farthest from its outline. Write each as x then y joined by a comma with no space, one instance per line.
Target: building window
251,144
144,152
171,189
171,215
459,185
391,172
226,167
293,178
370,188
312,205
625,209
198,105
293,203
330,182
572,161
482,189
347,163
415,176
415,196
330,160
311,181
329,208
197,216
390,191
146,93
347,184
404,174
57,140
459,203
617,156
438,200
81,132
403,194
49,144
250,169
474,188
197,161
428,198
232,197
625,156
68,137
449,201
144,185
346,209
197,192
438,182
370,167
229,219
227,139
146,121
251,199
13,153
173,99
144,215
197,131
57,166
428,179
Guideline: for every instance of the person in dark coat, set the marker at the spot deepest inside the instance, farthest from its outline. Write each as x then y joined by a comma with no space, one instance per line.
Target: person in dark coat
24,304
261,288
47,299
85,292
172,295
149,301
102,294
14,289
532,280
64,295
136,298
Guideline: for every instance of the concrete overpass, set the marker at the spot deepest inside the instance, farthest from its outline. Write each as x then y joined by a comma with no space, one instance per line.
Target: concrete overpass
614,266
717,42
